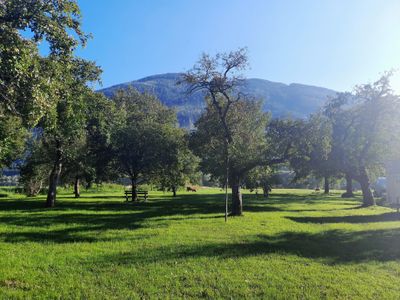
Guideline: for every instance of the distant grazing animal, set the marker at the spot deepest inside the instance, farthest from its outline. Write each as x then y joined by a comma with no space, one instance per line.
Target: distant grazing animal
317,189
191,189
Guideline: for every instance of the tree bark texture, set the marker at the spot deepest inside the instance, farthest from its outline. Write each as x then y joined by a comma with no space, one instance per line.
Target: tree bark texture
134,190
326,185
349,187
174,191
77,191
54,177
368,197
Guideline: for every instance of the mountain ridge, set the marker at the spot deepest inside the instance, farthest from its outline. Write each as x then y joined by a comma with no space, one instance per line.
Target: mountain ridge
282,100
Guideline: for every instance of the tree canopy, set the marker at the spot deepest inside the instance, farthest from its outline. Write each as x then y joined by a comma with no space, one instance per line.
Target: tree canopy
250,146
365,130
147,144
26,77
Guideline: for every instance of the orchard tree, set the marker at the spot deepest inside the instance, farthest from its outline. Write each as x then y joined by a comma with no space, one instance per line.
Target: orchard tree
102,118
36,165
90,157
81,150
312,150
220,77
29,80
256,142
44,91
180,165
65,125
262,176
76,164
321,161
365,129
250,146
141,141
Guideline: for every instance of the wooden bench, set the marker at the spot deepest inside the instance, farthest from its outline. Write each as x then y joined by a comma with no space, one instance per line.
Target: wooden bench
143,194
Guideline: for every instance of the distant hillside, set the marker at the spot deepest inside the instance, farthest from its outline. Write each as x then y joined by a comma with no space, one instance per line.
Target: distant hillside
294,100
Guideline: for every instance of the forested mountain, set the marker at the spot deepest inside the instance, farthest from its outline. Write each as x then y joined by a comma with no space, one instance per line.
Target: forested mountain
280,99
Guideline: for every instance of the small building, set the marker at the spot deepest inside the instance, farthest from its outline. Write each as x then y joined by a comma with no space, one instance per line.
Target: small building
393,181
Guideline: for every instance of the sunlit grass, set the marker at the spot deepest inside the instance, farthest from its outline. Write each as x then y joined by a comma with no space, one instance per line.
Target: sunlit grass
297,244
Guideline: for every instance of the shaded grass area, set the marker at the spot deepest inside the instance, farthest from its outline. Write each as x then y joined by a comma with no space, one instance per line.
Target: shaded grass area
297,244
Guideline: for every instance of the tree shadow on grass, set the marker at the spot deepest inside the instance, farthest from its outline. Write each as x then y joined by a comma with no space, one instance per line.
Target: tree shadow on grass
59,236
122,198
282,198
183,204
385,217
85,221
68,227
332,247
193,203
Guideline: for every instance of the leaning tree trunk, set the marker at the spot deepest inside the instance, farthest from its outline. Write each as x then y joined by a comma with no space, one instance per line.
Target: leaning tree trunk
368,197
54,177
237,203
134,189
349,187
77,187
326,185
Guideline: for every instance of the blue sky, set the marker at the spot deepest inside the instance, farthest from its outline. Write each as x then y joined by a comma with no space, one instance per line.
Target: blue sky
330,43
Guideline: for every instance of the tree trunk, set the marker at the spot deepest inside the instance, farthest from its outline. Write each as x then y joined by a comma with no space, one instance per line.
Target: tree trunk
134,190
174,191
349,187
368,197
326,185
266,190
237,204
227,176
54,177
76,187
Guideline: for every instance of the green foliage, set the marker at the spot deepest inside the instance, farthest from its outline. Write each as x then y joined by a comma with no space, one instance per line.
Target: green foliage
37,165
63,139
181,165
90,157
135,107
143,140
282,136
52,20
312,147
264,177
47,92
365,124
28,80
12,139
248,148
365,131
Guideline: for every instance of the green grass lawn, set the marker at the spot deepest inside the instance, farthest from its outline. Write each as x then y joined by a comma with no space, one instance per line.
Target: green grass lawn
295,245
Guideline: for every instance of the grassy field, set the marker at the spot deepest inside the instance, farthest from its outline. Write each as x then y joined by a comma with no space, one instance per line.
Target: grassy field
296,245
